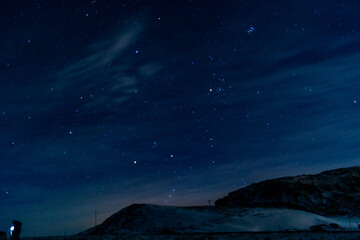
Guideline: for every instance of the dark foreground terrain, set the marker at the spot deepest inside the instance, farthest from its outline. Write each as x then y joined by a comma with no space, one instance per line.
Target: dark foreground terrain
221,236
330,193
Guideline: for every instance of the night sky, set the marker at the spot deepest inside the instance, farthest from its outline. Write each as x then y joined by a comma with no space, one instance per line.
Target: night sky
108,103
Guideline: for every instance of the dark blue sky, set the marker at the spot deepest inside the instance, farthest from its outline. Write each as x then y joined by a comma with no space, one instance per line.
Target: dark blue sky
107,103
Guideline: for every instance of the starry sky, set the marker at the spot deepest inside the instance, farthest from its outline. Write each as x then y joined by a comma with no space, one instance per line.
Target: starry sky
108,103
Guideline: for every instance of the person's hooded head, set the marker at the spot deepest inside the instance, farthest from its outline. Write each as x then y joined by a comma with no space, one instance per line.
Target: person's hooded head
17,223
16,226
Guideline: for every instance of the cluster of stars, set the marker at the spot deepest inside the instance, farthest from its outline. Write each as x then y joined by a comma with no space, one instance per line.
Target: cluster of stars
251,30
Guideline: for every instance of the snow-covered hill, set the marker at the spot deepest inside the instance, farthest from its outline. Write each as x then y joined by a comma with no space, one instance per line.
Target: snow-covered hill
335,192
145,219
289,203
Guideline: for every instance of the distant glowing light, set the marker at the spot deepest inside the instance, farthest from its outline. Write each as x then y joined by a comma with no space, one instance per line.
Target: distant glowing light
134,162
251,30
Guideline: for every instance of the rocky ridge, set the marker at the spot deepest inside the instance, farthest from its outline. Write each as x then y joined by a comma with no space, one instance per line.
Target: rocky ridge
335,192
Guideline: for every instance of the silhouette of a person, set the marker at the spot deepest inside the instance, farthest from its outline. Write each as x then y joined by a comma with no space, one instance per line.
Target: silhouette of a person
15,230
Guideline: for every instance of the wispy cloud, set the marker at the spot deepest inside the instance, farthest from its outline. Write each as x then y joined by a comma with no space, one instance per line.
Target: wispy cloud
109,73
102,54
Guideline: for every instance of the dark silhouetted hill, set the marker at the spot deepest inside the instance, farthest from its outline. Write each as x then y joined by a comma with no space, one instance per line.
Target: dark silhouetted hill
289,203
335,192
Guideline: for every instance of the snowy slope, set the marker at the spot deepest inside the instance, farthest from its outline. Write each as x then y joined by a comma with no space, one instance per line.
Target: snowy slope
144,219
335,192
289,203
